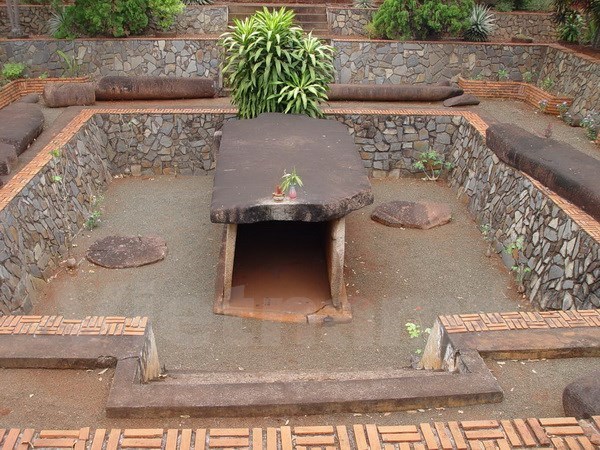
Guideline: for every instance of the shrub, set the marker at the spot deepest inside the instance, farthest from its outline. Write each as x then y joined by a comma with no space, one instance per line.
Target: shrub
61,23
165,11
362,4
13,71
115,18
570,30
421,19
504,6
271,66
590,11
481,24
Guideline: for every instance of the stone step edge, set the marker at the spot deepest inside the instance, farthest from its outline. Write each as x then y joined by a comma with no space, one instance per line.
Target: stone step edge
550,433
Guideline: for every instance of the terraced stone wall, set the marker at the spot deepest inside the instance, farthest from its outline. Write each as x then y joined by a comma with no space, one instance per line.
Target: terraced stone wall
195,19
33,224
160,143
390,144
428,62
133,56
574,75
564,259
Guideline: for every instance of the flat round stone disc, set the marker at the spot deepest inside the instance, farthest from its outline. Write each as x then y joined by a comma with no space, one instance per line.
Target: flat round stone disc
121,252
423,215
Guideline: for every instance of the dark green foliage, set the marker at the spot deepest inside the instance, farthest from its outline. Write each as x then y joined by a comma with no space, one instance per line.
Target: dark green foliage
116,18
271,66
421,19
481,24
589,10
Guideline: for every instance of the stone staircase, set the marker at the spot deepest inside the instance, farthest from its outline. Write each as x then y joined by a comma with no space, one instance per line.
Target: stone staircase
311,17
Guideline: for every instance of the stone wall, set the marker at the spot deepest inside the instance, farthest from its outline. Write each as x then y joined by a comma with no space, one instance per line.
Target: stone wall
564,259
349,21
390,144
160,143
426,62
33,224
537,25
575,75
34,19
132,56
195,19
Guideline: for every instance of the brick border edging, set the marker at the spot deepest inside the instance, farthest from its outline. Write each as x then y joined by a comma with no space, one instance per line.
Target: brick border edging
23,86
59,326
552,433
465,323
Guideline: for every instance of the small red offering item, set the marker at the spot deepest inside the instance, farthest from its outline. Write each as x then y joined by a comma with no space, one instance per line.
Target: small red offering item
278,195
278,190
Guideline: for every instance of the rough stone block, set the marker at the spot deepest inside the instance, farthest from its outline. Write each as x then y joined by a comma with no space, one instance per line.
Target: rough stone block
8,158
30,98
422,215
581,398
154,88
560,167
461,100
61,95
392,92
21,124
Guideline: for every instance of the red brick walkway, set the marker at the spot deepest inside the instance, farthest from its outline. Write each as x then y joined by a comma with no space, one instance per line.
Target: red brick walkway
556,433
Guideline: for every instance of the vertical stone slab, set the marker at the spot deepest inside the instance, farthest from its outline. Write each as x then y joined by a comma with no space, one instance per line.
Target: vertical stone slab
229,256
335,249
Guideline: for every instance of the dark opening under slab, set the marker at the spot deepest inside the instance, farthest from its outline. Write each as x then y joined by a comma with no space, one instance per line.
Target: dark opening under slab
281,268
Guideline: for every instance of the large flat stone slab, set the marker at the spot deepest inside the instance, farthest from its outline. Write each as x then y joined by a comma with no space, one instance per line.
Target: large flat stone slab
581,398
254,154
570,173
120,252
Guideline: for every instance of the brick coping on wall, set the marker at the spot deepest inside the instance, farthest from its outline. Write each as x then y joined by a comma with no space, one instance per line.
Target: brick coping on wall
59,326
14,186
550,433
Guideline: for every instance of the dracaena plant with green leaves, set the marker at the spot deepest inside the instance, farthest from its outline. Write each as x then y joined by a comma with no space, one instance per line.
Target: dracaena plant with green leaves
272,66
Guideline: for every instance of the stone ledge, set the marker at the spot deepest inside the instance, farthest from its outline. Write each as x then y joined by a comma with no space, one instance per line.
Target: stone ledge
550,433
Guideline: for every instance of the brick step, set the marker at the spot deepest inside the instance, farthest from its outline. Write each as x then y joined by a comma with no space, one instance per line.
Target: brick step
249,8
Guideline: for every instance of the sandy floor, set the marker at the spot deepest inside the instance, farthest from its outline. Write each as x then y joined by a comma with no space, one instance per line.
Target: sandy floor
394,276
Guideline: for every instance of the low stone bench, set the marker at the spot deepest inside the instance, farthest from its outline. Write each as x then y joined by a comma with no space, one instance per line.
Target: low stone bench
154,88
560,167
392,92
21,123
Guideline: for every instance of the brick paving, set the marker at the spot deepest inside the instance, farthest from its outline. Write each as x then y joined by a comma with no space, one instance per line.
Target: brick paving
464,323
549,433
58,325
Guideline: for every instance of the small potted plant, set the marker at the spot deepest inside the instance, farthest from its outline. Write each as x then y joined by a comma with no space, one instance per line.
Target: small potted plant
289,181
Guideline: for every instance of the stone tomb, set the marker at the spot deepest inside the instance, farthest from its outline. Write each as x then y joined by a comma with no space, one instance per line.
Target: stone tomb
284,260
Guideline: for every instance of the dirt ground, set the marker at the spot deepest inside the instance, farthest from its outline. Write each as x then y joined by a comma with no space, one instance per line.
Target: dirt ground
55,399
394,276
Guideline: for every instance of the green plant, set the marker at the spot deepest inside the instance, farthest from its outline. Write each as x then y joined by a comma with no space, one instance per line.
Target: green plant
165,11
93,219
362,4
515,250
486,231
481,24
504,6
528,77
502,75
13,71
61,23
432,164
70,64
421,19
43,75
290,179
588,9
570,30
543,105
271,66
547,84
563,110
416,331
591,123
116,18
